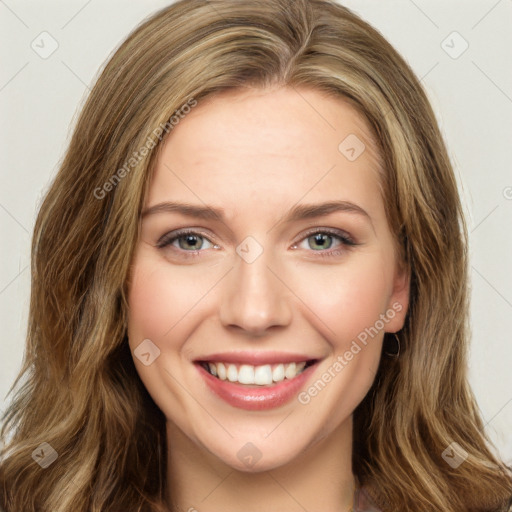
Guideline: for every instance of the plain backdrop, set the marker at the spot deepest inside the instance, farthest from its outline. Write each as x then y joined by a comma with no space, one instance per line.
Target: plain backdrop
460,49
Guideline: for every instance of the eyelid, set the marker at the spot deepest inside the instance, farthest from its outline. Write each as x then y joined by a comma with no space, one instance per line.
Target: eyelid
329,231
169,238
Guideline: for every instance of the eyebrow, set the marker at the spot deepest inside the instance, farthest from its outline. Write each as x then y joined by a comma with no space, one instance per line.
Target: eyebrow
298,212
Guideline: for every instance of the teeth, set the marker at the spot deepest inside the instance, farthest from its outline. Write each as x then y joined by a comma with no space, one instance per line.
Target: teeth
290,371
246,374
278,373
232,373
221,370
264,375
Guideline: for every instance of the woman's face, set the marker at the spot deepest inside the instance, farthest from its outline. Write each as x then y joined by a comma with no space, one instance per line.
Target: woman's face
289,259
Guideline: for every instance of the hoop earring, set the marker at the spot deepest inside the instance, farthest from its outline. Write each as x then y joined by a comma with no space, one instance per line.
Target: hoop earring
392,349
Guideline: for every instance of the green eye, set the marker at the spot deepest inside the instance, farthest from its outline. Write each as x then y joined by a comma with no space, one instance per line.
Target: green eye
187,241
321,240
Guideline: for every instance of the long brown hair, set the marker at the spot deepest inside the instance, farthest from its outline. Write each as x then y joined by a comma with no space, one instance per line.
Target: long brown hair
78,390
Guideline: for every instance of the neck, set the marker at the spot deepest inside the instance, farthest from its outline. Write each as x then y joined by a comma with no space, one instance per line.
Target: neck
319,478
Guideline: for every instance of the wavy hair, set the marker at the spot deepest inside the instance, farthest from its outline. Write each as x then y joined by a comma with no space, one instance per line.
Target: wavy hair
78,389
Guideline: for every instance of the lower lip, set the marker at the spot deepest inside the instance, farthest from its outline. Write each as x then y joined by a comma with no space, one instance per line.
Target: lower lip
256,398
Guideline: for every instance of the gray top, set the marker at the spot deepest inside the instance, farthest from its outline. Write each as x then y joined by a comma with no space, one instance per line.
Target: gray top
363,503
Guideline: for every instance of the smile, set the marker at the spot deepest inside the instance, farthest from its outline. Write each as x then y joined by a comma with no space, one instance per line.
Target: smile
255,381
262,375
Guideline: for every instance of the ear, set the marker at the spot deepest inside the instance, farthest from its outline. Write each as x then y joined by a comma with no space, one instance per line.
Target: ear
399,300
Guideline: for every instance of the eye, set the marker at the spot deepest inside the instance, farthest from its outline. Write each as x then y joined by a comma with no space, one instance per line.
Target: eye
322,240
187,241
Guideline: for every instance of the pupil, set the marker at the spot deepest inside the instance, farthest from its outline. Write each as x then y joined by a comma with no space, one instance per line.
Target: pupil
320,239
191,240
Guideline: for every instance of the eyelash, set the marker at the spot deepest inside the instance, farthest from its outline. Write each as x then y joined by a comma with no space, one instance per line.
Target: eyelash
345,240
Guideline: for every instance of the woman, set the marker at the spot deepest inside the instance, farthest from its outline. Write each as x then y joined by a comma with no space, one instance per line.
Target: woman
250,283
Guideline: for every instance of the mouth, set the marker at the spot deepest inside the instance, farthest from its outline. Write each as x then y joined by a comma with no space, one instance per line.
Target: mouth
255,382
255,375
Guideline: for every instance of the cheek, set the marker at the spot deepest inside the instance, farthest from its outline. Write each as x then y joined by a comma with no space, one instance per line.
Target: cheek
349,308
158,303
160,297
146,303
346,298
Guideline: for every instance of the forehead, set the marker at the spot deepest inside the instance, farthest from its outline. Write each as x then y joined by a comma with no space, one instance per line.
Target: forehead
279,144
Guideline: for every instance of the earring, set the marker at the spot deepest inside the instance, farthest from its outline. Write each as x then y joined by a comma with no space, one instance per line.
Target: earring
392,348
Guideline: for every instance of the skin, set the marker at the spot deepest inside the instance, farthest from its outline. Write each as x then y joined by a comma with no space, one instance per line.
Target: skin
256,154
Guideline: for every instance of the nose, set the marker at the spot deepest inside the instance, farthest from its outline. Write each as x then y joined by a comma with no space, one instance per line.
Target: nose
256,299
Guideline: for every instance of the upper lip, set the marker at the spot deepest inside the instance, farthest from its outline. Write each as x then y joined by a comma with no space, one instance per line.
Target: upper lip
255,358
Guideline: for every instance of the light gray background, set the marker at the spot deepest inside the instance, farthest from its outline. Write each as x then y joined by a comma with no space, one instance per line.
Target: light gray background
471,94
